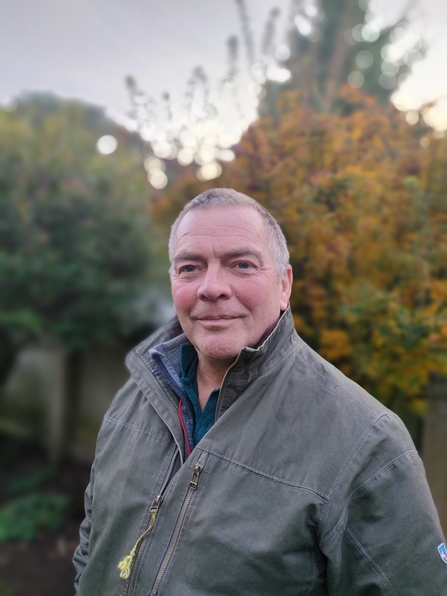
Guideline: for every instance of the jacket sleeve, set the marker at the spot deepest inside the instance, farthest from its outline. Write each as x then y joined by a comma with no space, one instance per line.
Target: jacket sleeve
81,555
386,539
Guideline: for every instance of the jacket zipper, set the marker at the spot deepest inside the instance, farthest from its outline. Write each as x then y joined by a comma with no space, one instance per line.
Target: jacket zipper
129,565
178,526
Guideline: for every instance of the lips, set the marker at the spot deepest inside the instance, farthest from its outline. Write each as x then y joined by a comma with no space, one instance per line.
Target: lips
218,318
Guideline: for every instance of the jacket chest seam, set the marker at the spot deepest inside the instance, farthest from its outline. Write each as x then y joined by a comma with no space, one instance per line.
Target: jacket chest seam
270,477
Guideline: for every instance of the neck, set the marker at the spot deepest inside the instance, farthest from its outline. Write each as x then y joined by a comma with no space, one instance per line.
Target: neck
210,376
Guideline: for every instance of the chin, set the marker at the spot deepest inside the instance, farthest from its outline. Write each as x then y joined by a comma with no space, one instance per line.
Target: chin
220,353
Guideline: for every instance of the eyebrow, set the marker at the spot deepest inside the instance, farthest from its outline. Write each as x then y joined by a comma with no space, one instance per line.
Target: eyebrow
245,252
234,254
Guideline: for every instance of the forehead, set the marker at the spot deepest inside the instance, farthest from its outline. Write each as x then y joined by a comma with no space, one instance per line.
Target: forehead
218,225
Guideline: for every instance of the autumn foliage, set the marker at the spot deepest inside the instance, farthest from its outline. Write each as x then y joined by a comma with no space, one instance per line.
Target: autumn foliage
364,209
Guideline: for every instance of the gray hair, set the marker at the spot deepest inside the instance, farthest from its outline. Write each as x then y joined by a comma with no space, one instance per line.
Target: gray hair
227,197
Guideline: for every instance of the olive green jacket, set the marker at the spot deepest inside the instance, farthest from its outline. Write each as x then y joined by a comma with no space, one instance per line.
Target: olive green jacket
304,485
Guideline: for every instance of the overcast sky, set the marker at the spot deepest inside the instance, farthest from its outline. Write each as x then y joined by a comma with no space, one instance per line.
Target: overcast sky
85,48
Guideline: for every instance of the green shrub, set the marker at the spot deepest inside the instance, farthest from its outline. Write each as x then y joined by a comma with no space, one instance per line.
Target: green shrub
24,517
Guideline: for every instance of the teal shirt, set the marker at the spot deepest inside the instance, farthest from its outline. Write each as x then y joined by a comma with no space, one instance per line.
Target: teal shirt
203,420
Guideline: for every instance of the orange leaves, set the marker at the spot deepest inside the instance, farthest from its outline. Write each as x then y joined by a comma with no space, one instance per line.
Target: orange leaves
438,288
335,344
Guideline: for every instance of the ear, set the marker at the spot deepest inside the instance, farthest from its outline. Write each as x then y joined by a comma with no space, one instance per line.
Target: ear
286,287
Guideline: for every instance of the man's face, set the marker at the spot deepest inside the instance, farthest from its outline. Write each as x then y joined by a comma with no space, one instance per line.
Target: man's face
225,285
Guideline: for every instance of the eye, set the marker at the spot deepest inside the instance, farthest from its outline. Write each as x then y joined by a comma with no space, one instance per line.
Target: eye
243,265
187,269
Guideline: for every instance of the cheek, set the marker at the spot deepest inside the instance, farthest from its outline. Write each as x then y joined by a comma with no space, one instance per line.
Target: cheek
183,296
252,295
261,299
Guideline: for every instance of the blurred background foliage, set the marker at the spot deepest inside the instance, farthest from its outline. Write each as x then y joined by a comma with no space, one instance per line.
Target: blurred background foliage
75,233
31,510
326,45
331,43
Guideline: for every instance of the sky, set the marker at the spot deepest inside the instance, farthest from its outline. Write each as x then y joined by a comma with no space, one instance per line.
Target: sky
85,48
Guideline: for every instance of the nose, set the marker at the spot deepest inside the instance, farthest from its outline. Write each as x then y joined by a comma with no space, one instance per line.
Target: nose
214,284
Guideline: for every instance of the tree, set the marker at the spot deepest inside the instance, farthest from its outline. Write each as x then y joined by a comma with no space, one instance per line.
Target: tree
329,42
75,244
363,206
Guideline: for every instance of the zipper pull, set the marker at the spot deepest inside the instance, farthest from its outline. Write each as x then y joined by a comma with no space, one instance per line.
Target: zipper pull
126,564
195,477
156,504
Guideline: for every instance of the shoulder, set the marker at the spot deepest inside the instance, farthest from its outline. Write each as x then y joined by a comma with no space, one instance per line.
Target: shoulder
340,418
333,389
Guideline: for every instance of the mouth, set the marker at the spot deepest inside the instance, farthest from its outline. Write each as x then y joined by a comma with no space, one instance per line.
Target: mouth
216,320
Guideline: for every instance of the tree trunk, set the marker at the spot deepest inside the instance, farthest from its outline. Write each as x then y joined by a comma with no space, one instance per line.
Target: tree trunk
73,370
8,354
339,54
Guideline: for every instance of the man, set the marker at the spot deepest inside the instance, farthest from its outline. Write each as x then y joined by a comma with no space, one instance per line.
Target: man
238,461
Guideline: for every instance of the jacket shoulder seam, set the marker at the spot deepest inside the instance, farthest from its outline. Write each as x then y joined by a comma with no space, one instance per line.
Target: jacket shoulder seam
347,462
369,483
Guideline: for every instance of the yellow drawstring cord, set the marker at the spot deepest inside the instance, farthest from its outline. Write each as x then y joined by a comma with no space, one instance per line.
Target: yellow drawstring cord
125,565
